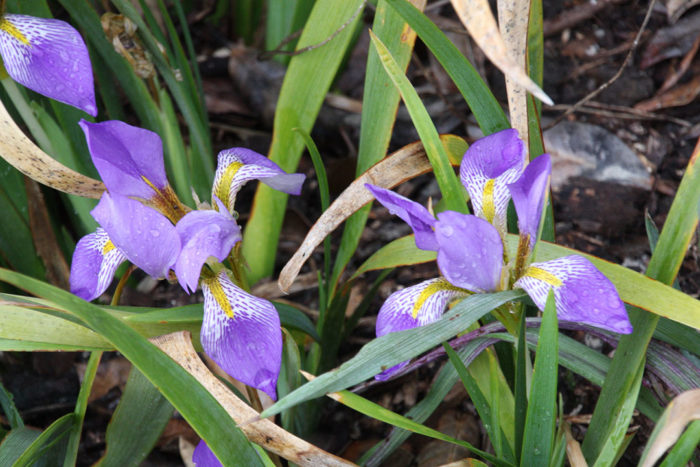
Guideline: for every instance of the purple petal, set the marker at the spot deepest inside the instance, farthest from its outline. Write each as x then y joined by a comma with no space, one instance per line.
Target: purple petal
128,158
95,261
204,457
237,166
241,333
203,234
529,193
414,214
471,252
488,166
414,306
48,56
145,236
582,293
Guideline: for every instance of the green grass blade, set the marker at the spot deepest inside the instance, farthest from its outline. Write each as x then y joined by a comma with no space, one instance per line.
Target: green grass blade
379,105
483,104
305,85
685,447
8,407
451,188
488,412
15,443
376,411
522,367
80,409
143,406
673,242
540,421
394,348
46,440
196,405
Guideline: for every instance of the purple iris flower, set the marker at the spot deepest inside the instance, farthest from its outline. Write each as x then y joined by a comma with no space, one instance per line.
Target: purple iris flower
142,220
470,252
204,457
237,166
48,56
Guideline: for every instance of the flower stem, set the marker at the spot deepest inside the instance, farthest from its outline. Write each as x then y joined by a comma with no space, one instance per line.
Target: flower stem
120,286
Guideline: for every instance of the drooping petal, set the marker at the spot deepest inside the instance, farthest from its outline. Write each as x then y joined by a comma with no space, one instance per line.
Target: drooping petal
414,306
470,253
94,263
144,235
488,167
241,333
412,213
582,293
237,166
529,193
204,457
128,158
203,234
48,56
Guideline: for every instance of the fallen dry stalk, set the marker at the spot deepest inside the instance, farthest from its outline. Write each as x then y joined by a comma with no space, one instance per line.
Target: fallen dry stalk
20,152
265,433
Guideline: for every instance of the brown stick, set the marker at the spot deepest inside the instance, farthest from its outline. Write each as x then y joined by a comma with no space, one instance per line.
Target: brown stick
265,433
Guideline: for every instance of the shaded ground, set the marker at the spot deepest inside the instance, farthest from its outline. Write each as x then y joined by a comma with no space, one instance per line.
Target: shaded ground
634,116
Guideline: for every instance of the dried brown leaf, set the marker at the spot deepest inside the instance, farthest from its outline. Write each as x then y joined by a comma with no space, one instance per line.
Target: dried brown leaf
265,433
477,17
405,164
25,156
682,410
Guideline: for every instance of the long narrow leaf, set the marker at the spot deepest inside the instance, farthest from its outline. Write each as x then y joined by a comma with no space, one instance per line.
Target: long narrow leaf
195,404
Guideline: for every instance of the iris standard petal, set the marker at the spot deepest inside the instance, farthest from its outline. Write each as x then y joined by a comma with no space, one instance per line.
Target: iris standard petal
582,293
237,166
144,235
488,167
529,193
94,263
412,213
470,253
414,306
128,158
203,234
241,333
204,457
48,56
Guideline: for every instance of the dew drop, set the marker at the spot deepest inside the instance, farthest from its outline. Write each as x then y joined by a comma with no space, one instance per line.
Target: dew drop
155,233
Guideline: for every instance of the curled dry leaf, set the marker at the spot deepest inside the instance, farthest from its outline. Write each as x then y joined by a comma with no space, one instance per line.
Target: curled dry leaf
513,18
25,156
477,17
405,164
676,8
682,410
265,433
573,449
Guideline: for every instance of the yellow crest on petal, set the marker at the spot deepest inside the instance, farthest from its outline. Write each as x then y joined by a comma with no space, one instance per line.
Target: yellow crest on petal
109,246
12,30
431,290
488,205
217,291
223,185
543,275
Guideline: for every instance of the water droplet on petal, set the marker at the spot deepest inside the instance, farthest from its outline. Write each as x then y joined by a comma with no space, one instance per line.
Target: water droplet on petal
155,233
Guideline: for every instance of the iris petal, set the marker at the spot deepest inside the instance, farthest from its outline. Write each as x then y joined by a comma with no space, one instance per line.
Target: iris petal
488,166
128,158
241,333
48,56
95,261
470,253
237,166
203,234
414,214
204,457
412,307
529,193
145,236
582,293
